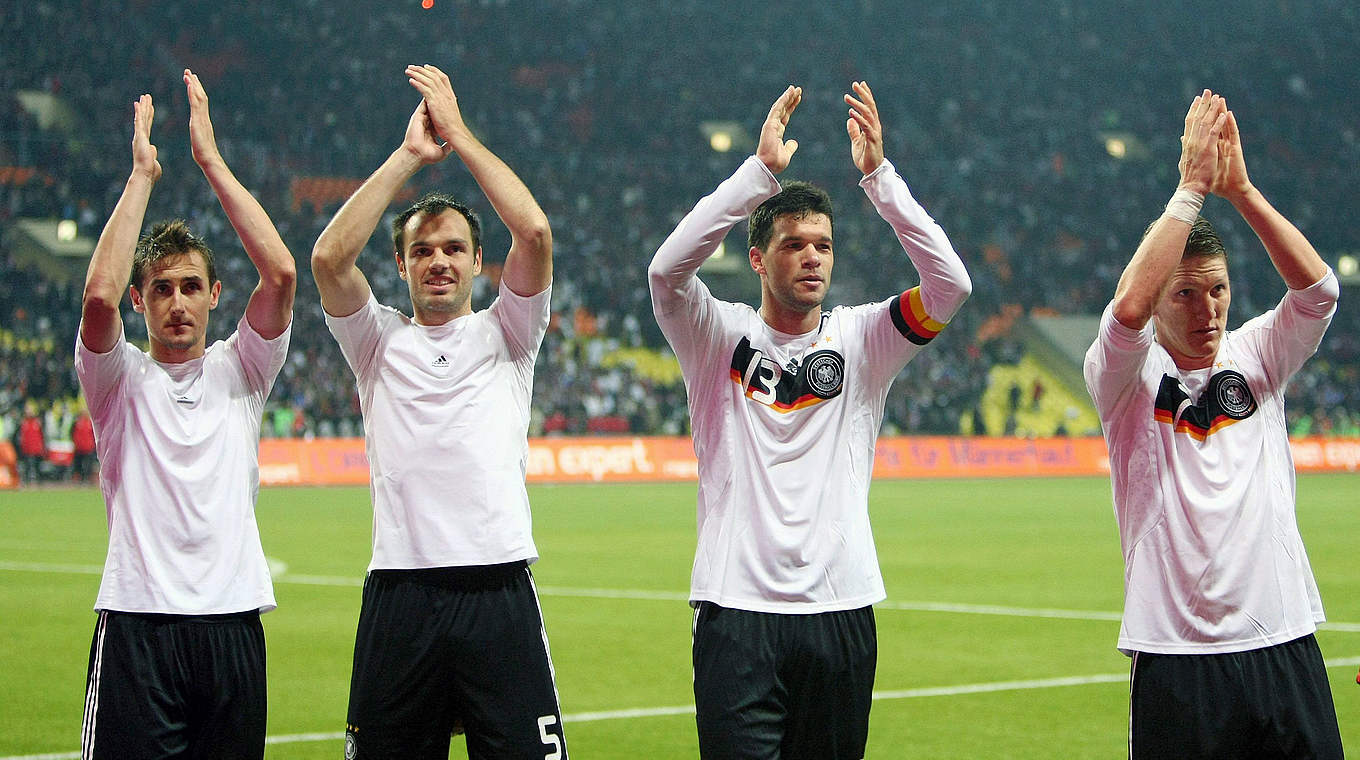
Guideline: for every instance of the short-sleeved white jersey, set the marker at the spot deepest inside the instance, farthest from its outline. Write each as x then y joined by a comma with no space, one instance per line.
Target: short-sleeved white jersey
178,449
446,420
785,425
1203,482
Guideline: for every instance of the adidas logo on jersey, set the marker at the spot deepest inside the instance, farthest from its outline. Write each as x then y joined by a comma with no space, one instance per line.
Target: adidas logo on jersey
441,362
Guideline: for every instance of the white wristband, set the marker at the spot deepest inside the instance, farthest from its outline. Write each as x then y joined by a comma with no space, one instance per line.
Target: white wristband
1185,205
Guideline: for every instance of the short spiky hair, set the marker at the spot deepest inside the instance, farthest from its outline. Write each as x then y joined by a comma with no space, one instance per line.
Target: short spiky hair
797,199
166,239
432,204
1203,240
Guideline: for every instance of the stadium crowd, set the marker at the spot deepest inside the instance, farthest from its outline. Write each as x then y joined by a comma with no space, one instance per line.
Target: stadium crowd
1042,135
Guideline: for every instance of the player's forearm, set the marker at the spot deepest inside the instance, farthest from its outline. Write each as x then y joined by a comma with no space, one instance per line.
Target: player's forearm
507,193
339,245
702,230
945,283
528,266
1147,274
111,263
1293,256
259,237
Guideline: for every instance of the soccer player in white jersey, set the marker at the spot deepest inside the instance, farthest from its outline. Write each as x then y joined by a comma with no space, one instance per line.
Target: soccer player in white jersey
785,404
450,635
177,665
1220,605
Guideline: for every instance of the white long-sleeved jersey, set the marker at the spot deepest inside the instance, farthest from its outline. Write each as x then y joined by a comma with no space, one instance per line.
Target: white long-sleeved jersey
785,425
1203,481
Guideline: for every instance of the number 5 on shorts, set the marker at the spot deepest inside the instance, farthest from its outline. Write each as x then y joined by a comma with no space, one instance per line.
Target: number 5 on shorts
551,740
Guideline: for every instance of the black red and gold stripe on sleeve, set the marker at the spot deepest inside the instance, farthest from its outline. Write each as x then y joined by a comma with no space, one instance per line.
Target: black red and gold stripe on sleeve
910,317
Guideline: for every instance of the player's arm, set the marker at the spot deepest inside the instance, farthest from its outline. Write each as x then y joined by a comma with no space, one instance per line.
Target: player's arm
702,230
343,287
270,308
945,283
1148,272
528,265
1291,253
106,280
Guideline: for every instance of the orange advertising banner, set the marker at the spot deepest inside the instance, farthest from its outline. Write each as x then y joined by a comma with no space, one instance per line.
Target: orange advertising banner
960,457
341,461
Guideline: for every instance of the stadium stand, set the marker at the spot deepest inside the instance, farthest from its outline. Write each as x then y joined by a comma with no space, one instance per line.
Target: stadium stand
1040,134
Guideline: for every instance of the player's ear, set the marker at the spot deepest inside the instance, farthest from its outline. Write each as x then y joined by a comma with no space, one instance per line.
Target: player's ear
757,258
401,264
477,262
138,305
214,293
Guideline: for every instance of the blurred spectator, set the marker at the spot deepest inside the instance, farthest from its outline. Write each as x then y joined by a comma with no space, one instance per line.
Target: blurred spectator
84,465
1034,132
31,446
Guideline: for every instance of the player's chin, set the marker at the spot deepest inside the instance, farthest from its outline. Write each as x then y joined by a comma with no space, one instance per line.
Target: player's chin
813,299
179,341
443,303
1208,344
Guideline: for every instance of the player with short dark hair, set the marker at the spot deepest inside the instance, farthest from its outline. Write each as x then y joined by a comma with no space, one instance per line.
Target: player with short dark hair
796,200
433,204
1220,604
786,404
450,636
177,664
167,239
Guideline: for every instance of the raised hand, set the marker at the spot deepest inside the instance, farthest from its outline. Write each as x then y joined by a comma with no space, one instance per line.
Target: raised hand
864,127
773,150
441,104
421,139
1204,123
1230,180
201,137
143,152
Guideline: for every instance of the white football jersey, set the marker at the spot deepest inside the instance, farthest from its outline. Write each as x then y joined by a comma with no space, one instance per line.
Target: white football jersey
785,425
178,449
1203,482
446,420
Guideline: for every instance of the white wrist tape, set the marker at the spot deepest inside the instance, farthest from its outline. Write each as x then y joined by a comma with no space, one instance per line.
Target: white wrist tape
1185,205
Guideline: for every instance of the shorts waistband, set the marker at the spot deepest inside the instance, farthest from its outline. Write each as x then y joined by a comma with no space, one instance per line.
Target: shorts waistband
454,576
164,617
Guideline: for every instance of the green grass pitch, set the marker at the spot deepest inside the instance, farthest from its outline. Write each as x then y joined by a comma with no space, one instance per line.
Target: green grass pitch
998,591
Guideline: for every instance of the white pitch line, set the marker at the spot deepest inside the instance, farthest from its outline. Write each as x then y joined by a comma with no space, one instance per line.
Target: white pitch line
44,567
675,596
991,609
652,712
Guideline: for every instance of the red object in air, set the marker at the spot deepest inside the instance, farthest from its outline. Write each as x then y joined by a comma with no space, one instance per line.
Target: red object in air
427,4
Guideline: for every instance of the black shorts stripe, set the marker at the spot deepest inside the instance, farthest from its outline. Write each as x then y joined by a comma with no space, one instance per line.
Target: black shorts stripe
92,689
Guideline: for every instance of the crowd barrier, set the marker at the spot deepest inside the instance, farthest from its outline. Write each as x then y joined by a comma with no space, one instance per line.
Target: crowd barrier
341,461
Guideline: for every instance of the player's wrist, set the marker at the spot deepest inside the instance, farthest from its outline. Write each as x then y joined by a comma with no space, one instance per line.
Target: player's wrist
408,159
143,175
1185,204
210,162
1241,195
